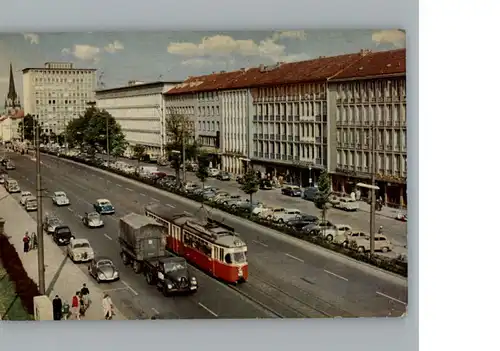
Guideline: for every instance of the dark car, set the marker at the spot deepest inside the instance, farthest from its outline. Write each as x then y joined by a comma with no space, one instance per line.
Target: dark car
174,276
240,179
292,190
310,193
224,176
62,235
10,166
265,184
103,269
302,221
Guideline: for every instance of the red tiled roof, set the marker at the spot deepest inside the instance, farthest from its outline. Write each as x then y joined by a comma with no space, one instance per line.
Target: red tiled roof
376,64
343,66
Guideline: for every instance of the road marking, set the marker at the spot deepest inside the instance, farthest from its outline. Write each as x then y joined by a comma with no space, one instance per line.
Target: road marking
119,185
208,309
155,200
391,298
130,288
186,212
295,258
80,216
260,243
336,275
143,194
107,236
70,209
155,310
115,289
128,189
169,205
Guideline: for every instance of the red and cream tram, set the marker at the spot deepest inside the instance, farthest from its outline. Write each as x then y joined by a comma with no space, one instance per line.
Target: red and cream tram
213,246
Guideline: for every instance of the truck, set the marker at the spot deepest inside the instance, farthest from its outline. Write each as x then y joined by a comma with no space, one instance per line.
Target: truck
143,245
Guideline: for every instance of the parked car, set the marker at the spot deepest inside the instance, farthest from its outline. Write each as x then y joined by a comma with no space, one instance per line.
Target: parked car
92,220
50,223
224,176
288,214
24,196
213,172
314,228
347,204
60,198
102,269
265,184
248,206
79,250
381,243
62,235
231,200
309,194
104,206
31,204
292,190
302,221
271,212
219,196
10,166
12,186
337,231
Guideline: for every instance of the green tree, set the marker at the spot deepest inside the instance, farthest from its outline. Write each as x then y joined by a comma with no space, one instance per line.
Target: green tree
26,128
139,152
118,146
250,184
322,198
180,133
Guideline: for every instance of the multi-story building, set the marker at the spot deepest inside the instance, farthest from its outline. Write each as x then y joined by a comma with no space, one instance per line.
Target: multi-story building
12,115
57,93
367,117
140,110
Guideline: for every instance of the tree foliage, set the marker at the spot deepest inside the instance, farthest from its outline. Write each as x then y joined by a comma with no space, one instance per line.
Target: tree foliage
139,151
250,184
324,191
203,165
89,131
26,128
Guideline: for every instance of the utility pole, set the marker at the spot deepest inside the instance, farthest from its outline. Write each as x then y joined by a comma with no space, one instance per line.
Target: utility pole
184,152
39,219
107,139
372,203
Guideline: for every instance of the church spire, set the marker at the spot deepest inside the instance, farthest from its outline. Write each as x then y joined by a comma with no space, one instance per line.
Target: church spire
12,95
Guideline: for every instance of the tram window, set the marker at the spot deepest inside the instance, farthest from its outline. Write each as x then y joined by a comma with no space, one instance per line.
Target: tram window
228,259
239,257
221,255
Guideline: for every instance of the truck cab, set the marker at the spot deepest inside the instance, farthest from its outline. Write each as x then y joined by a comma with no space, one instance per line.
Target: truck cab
171,275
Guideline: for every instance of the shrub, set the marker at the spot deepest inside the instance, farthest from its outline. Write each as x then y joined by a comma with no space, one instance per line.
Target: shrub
26,288
398,265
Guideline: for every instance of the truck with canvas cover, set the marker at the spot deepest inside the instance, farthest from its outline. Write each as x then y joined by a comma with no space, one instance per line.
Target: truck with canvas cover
141,239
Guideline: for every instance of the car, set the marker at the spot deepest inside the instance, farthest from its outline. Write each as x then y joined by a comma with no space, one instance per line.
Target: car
381,243
62,235
335,233
347,204
224,176
10,166
12,186
220,196
104,206
79,250
265,184
302,221
60,198
289,214
24,196
315,227
92,220
102,269
171,274
213,172
401,216
240,179
50,223
231,200
2,178
249,207
291,190
270,213
309,194
31,204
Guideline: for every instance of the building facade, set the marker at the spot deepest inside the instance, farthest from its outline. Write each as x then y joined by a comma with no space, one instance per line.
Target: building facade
140,111
181,105
13,113
236,109
208,124
57,93
368,124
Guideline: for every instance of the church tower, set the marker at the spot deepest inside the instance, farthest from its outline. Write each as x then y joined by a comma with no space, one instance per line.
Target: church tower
12,101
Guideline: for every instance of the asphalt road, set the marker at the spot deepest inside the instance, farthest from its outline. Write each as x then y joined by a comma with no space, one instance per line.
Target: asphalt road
289,278
395,230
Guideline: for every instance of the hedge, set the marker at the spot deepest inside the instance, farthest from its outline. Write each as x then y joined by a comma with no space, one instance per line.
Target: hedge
395,265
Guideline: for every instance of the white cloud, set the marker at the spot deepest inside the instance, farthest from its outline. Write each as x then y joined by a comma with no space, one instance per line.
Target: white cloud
291,34
83,52
32,37
114,47
395,37
224,46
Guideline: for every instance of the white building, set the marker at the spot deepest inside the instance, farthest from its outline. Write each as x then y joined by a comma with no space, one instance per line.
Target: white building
57,93
236,111
208,120
140,110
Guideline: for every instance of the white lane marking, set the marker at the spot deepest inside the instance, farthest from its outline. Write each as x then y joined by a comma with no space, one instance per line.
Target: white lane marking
391,298
116,289
336,275
155,200
295,258
208,309
143,194
80,216
107,236
119,185
171,206
130,288
70,209
188,213
128,189
260,243
155,310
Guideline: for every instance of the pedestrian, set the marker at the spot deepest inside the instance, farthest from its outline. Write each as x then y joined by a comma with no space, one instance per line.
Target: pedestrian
85,295
75,306
83,308
33,241
26,242
107,306
57,308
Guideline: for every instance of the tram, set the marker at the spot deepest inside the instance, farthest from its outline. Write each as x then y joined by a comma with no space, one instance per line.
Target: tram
213,246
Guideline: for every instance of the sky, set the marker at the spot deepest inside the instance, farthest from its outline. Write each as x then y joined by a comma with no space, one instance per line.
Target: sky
173,56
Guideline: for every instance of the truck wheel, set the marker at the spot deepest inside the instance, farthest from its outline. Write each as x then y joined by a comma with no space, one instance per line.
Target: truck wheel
136,266
124,258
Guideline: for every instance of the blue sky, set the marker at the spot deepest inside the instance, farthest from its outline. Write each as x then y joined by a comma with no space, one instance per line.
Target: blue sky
172,56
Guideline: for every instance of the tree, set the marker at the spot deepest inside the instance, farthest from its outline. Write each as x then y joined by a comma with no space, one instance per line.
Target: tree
203,165
26,128
324,191
118,146
139,152
250,184
180,133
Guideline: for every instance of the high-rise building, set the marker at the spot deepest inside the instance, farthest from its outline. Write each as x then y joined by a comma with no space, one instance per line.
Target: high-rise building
57,93
13,114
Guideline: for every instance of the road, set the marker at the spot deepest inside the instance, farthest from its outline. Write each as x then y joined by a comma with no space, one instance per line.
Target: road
395,230
287,279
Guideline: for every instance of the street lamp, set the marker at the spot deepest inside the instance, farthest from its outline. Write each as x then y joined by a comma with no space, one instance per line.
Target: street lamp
373,188
310,176
39,220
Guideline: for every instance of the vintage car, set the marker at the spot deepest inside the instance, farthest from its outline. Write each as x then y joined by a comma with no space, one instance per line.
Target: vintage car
24,196
31,204
104,206
50,223
102,269
171,275
10,166
292,190
60,198
224,176
62,235
79,250
287,215
92,220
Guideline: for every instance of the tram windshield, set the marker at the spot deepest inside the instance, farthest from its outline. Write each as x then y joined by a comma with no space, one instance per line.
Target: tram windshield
236,257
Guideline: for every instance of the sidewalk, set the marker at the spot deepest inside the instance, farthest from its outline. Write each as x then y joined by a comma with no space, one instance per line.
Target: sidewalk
62,277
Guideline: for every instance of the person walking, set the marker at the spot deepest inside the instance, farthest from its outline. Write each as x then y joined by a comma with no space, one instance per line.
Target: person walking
85,296
57,308
75,306
34,241
107,306
26,242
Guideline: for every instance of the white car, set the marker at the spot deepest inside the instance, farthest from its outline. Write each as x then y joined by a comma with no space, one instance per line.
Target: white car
31,204
24,196
271,212
213,172
347,204
79,250
60,198
289,214
338,230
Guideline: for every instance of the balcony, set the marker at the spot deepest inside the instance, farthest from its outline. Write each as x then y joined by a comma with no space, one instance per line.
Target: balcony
255,154
261,135
388,146
255,136
396,123
388,123
283,118
290,138
283,137
277,136
260,117
266,155
318,161
271,136
290,118
297,138
318,118
266,118
296,118
318,140
271,156
261,154
266,137
296,158
289,157
271,118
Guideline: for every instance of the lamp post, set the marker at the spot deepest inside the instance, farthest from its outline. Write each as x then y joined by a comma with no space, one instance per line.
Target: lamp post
310,176
39,219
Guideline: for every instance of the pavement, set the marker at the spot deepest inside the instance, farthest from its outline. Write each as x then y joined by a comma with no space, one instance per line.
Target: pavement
395,230
62,277
289,277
